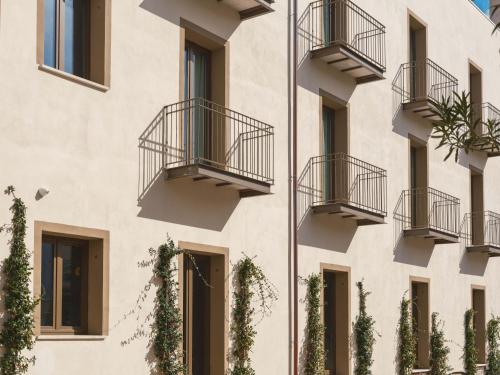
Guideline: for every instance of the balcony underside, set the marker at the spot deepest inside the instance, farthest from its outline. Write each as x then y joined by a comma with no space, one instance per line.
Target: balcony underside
491,250
346,211
439,237
493,154
249,8
347,60
246,187
422,107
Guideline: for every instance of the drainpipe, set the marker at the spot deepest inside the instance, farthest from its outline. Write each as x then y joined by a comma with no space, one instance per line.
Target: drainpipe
292,188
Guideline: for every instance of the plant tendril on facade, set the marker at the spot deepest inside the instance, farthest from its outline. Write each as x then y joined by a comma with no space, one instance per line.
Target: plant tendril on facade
493,334
17,335
407,340
315,330
439,349
364,335
470,351
250,282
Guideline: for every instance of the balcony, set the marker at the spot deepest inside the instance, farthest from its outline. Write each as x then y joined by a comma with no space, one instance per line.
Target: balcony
490,124
339,184
346,37
249,8
429,213
481,232
199,140
422,84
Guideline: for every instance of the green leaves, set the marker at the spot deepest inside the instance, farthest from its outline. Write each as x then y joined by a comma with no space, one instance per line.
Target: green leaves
17,334
461,126
364,335
470,351
494,10
315,331
167,327
407,340
439,349
250,281
493,335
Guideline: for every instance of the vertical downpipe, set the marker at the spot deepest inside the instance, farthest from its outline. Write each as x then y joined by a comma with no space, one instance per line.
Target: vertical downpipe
292,188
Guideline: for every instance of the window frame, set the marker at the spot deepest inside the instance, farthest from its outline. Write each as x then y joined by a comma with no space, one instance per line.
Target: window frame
97,322
423,330
57,326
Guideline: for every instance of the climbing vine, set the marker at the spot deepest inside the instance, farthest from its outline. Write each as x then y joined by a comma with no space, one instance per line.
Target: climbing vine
407,340
493,334
167,327
17,334
314,341
439,349
460,127
250,282
470,351
364,335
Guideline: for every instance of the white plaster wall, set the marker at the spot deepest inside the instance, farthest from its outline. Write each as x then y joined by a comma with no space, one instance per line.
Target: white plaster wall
82,145
457,31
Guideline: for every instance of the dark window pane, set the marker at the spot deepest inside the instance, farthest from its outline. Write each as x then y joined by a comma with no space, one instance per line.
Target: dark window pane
50,34
71,284
76,26
47,298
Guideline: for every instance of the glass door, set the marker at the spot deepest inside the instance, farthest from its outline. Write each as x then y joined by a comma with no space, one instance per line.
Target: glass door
197,90
328,151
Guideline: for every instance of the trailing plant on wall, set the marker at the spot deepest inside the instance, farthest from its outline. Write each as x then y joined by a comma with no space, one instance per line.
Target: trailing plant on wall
364,335
493,334
470,351
17,335
407,340
250,282
315,331
439,349
167,326
460,128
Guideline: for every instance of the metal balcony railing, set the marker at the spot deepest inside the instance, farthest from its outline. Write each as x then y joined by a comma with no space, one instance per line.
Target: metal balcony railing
198,131
481,229
489,113
423,208
340,178
343,22
424,80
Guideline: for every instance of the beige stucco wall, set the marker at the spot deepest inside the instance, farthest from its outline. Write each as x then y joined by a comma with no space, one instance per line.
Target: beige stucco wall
81,144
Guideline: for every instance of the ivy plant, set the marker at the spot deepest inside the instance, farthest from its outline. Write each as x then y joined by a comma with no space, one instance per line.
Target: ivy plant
250,282
364,335
17,335
315,330
460,128
493,334
407,340
439,350
167,326
470,351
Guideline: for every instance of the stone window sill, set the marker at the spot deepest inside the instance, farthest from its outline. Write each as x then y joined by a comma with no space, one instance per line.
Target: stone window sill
73,78
70,338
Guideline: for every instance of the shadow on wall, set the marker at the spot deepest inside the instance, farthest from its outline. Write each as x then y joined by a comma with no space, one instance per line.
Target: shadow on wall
408,123
473,264
190,203
413,251
327,232
173,10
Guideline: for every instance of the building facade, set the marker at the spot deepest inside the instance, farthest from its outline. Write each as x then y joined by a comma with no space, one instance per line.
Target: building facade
126,122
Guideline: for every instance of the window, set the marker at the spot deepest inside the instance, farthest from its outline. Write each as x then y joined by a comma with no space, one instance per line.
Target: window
204,308
74,36
336,312
71,278
418,55
477,207
479,322
476,94
420,315
64,284
418,184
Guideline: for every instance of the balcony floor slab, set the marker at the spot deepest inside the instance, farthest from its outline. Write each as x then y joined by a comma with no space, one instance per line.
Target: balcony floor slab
249,8
422,107
347,60
220,178
362,216
491,250
439,237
